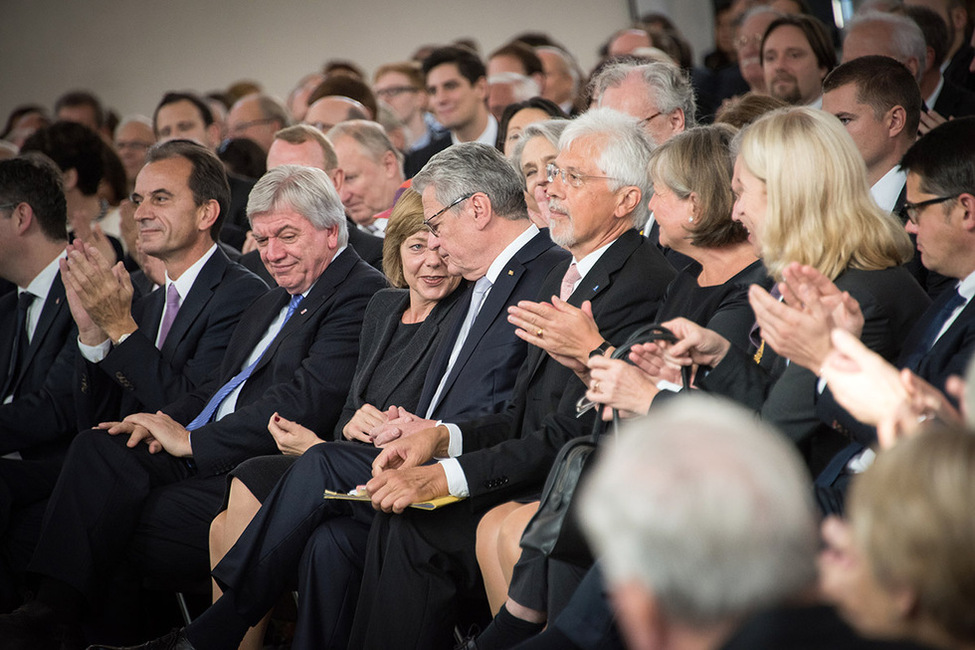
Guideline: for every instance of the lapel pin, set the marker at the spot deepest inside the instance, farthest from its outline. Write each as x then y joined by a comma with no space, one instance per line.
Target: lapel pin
302,312
510,272
595,288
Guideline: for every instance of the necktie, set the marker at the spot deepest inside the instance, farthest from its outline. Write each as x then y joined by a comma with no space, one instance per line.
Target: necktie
207,413
481,287
21,342
172,307
927,342
569,281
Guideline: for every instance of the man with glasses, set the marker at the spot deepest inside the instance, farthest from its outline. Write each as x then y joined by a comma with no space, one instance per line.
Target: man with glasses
615,273
484,234
400,85
257,117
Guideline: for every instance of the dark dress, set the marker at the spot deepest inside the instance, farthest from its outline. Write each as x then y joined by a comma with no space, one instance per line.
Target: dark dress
393,361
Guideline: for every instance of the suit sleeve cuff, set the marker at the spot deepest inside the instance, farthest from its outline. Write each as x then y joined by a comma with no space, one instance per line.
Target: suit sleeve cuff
456,445
456,481
95,353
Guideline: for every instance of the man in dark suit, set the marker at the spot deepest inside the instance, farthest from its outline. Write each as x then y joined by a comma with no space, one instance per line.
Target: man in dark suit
150,492
456,81
506,456
37,345
486,236
302,144
143,356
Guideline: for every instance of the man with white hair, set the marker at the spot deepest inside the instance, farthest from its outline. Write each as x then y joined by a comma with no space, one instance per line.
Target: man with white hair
507,88
598,187
561,77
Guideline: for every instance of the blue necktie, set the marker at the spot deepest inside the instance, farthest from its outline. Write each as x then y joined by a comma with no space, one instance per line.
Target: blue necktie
954,301
207,413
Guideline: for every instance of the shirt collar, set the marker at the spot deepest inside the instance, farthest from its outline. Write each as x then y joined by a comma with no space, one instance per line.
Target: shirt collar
185,281
887,190
509,251
489,136
586,263
40,286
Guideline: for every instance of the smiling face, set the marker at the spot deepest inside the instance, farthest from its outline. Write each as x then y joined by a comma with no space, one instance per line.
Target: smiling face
535,156
182,120
751,204
673,214
792,72
397,90
424,270
455,102
293,250
169,221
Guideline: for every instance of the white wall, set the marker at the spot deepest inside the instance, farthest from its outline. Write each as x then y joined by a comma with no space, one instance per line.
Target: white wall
130,51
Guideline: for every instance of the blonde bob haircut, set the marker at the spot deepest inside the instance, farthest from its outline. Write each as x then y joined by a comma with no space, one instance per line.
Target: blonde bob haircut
911,517
698,161
405,220
819,208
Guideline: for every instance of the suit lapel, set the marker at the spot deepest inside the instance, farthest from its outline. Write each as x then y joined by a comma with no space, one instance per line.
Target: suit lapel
438,366
195,301
53,306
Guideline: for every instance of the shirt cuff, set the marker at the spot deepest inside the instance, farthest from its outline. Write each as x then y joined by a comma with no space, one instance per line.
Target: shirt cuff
456,481
95,353
456,445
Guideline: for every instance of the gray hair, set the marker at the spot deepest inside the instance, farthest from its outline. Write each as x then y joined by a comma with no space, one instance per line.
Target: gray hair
129,119
754,11
666,83
906,38
551,130
523,86
469,167
625,155
369,135
715,516
306,190
570,64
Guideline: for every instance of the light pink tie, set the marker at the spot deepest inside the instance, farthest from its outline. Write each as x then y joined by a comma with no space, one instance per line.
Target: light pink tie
172,307
569,281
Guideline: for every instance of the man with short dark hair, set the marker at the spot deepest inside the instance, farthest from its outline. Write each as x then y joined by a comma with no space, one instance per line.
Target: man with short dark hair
81,107
796,55
456,81
185,115
149,490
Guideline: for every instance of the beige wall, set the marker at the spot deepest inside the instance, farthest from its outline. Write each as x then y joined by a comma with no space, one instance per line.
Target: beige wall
129,52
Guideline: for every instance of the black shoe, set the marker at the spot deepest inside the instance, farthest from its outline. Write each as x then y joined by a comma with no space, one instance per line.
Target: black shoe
33,625
175,640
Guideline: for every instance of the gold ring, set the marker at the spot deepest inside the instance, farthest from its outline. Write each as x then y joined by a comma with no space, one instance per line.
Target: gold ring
595,386
540,332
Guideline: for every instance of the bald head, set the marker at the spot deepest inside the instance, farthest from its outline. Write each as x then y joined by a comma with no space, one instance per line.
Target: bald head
329,111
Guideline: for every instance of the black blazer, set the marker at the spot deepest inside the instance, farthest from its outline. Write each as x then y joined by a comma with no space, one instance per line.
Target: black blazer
40,420
509,454
955,101
415,160
484,374
785,394
398,383
304,374
137,377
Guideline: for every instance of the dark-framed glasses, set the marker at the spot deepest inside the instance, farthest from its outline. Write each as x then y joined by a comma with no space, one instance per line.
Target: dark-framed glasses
910,211
435,228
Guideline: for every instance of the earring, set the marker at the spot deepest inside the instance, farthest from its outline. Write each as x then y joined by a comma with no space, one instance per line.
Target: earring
691,219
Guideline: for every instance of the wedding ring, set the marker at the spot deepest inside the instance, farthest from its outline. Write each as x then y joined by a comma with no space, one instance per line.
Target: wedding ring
540,332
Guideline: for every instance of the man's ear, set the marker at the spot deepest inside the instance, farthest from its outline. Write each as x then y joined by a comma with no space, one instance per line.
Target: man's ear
213,136
896,120
207,214
483,211
338,178
967,201
390,164
22,217
629,198
70,179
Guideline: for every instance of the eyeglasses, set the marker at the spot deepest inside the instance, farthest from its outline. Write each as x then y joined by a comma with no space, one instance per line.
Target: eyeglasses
744,40
123,145
396,91
4,206
435,229
573,179
646,120
910,211
240,127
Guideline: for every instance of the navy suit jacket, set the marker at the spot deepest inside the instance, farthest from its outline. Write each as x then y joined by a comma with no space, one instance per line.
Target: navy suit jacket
137,377
483,376
415,160
41,419
955,101
304,374
509,454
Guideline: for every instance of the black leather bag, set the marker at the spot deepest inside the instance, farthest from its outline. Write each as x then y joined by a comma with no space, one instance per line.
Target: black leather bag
554,531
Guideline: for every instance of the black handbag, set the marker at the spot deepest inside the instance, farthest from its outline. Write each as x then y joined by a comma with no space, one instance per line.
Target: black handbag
554,531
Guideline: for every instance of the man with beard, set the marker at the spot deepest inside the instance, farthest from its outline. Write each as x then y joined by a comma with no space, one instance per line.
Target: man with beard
796,56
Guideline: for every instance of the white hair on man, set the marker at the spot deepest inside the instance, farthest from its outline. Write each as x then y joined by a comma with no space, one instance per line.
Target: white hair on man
706,509
306,190
625,155
523,87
